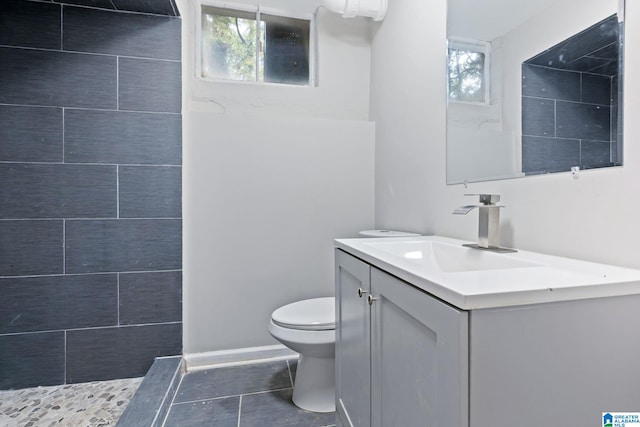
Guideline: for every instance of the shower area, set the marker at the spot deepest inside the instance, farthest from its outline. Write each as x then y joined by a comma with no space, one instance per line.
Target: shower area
571,97
90,190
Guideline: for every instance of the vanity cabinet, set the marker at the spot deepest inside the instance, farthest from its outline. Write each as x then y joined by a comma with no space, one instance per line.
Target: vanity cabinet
353,342
408,359
401,354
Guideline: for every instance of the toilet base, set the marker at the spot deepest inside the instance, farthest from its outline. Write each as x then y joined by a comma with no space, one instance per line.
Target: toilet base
315,389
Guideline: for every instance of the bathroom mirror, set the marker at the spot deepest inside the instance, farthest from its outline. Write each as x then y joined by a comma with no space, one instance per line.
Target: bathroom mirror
534,87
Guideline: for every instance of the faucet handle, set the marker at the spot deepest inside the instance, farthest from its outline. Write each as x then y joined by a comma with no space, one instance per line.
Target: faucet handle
487,199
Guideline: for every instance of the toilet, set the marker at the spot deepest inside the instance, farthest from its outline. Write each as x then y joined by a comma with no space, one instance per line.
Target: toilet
308,327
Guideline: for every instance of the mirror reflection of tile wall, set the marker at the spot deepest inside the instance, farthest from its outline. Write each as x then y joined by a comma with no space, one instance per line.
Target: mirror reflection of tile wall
569,103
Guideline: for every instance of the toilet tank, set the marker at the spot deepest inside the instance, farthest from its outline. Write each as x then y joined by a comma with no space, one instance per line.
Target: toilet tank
386,233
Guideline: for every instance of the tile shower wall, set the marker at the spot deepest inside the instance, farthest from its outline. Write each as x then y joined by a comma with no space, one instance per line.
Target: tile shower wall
566,119
90,191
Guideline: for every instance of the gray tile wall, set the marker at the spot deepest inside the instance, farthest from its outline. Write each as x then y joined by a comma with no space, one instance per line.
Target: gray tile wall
90,190
566,120
155,7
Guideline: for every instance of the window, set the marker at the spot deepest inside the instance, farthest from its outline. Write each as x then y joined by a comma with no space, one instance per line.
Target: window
468,71
253,46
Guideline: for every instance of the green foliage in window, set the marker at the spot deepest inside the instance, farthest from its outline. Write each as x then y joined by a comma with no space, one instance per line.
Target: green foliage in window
466,75
228,47
245,45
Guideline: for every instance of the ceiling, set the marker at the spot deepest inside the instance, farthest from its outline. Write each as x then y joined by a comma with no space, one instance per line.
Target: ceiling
487,19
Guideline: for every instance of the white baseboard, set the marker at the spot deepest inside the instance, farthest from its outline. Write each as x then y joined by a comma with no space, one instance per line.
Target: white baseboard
237,356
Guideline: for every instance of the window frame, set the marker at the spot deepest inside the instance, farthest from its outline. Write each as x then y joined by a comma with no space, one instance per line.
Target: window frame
257,10
475,46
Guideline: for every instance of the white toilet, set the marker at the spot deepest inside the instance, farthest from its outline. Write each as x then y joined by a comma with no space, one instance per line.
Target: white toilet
308,327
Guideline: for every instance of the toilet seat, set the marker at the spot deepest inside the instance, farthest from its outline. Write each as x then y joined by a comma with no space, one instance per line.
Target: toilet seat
316,314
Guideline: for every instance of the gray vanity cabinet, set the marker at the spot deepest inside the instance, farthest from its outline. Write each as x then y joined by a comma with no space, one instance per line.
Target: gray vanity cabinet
353,360
401,354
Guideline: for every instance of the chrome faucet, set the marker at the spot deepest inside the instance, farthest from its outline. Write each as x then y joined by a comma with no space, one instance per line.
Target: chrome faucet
489,223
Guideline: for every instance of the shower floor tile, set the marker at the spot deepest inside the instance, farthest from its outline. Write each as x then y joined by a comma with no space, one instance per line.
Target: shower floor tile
91,404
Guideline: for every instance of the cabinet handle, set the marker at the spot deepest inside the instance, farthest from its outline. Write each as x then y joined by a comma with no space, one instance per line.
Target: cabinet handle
371,299
361,292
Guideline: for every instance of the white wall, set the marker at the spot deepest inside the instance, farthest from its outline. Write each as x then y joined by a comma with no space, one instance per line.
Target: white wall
594,217
271,176
480,154
263,203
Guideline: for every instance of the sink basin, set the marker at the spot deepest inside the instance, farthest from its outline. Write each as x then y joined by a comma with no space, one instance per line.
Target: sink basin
451,258
470,278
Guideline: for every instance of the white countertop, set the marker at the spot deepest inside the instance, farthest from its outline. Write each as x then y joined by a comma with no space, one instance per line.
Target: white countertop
531,277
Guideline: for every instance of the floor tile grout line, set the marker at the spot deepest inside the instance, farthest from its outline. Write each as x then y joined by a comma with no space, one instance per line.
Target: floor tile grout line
173,399
290,375
231,395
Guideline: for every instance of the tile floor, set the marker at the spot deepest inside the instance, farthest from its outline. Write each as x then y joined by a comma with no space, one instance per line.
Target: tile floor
242,396
237,396
93,404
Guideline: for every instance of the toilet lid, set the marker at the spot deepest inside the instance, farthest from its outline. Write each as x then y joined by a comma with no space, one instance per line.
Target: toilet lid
317,314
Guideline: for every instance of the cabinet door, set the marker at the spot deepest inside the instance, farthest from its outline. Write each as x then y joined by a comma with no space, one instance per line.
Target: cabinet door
352,342
419,353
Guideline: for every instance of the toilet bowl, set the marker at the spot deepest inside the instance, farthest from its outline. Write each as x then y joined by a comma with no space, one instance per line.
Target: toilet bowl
308,328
